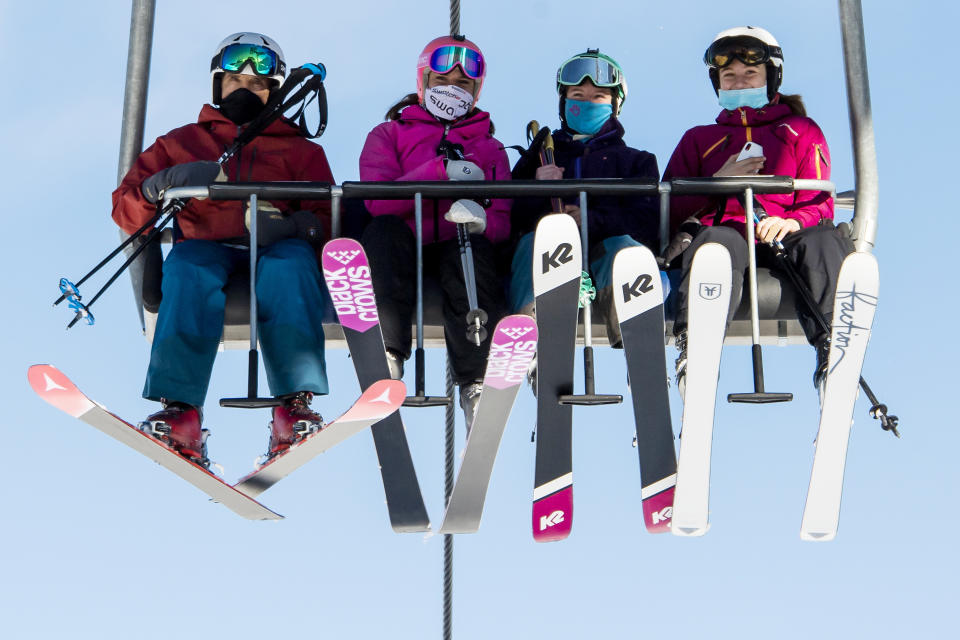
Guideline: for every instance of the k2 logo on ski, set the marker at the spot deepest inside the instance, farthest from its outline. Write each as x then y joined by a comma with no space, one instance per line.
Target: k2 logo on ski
343,257
551,520
661,516
710,290
639,287
560,256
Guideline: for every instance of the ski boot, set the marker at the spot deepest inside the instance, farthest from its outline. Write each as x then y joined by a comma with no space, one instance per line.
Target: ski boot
469,400
178,426
680,365
395,364
292,422
822,347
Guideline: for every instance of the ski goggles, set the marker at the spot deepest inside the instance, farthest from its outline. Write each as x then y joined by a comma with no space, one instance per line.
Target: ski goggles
444,59
235,57
600,72
747,50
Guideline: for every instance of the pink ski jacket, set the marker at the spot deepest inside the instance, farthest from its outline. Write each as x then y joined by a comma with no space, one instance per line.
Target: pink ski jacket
793,146
406,149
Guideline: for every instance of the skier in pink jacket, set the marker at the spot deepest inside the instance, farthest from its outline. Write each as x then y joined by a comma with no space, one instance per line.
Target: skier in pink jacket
746,68
438,133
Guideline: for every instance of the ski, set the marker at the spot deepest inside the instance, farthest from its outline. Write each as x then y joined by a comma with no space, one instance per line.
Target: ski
56,389
347,273
708,301
856,302
638,297
557,265
512,347
379,400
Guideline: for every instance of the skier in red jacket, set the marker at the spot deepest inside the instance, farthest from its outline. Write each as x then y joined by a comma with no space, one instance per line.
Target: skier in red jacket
212,242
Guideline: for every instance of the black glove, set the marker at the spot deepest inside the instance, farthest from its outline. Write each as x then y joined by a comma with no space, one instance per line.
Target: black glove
680,241
189,174
274,225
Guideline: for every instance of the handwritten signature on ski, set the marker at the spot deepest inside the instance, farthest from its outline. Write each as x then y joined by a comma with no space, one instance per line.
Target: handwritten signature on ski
846,328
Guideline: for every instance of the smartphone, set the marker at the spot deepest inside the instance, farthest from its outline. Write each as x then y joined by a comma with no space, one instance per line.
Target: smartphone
750,150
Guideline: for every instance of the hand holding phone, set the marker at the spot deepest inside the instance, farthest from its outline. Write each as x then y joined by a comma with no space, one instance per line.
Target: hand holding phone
750,150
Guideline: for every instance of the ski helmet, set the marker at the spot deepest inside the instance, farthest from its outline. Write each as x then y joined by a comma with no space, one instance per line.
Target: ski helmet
442,54
247,53
602,70
750,45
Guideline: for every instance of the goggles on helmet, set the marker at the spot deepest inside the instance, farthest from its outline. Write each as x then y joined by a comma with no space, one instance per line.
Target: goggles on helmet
444,59
749,51
600,72
235,57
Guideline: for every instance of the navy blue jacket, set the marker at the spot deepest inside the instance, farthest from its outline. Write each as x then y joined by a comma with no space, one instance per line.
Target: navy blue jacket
604,155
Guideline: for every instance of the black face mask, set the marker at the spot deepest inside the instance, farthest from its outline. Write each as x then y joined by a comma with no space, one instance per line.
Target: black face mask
241,106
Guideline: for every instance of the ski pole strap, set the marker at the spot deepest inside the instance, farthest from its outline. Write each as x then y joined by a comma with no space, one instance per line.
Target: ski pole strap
587,291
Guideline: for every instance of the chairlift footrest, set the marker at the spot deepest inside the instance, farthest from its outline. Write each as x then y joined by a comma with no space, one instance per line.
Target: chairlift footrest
590,400
759,398
428,401
250,403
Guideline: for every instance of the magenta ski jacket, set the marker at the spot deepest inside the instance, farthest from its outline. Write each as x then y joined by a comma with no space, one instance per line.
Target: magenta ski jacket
793,146
406,149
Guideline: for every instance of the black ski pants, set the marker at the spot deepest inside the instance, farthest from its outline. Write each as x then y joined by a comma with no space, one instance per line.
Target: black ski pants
392,251
816,253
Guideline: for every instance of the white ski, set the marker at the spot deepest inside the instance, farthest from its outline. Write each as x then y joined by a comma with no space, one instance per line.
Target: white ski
708,301
512,347
853,311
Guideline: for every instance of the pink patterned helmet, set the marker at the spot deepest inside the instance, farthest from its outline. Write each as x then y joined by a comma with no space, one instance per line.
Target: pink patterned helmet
442,54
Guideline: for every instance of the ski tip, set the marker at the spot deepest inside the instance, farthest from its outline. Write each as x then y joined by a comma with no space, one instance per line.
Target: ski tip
379,400
54,387
658,509
814,536
553,514
689,531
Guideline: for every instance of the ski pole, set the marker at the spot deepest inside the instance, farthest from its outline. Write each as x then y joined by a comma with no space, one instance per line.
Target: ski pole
878,410
546,156
759,395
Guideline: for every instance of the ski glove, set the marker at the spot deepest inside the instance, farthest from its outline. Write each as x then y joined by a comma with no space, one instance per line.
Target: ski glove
680,241
467,212
274,225
463,170
188,174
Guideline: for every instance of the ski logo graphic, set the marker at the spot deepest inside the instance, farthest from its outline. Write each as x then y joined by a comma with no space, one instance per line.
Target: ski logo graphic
383,397
343,257
551,520
663,515
639,287
560,256
710,290
516,333
848,328
50,385
351,290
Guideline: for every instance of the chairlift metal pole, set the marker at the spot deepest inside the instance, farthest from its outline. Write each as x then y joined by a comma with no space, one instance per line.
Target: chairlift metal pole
866,209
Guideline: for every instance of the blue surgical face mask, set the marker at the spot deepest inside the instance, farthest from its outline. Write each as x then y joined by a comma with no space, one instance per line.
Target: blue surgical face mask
755,98
587,117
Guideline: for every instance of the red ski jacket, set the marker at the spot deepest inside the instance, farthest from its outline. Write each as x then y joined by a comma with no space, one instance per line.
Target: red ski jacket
279,153
793,146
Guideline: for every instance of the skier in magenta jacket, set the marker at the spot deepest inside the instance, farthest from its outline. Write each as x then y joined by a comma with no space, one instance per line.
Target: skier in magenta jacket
438,133
746,68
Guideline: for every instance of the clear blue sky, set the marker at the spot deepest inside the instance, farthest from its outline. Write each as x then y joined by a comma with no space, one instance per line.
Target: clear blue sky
99,543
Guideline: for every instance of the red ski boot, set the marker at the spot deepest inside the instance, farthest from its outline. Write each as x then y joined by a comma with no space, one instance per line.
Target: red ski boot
178,426
292,422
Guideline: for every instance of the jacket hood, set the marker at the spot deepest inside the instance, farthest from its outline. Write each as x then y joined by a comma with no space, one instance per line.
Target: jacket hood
475,124
610,134
211,117
750,117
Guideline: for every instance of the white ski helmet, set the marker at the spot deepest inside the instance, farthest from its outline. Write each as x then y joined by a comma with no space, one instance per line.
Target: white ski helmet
750,45
247,53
